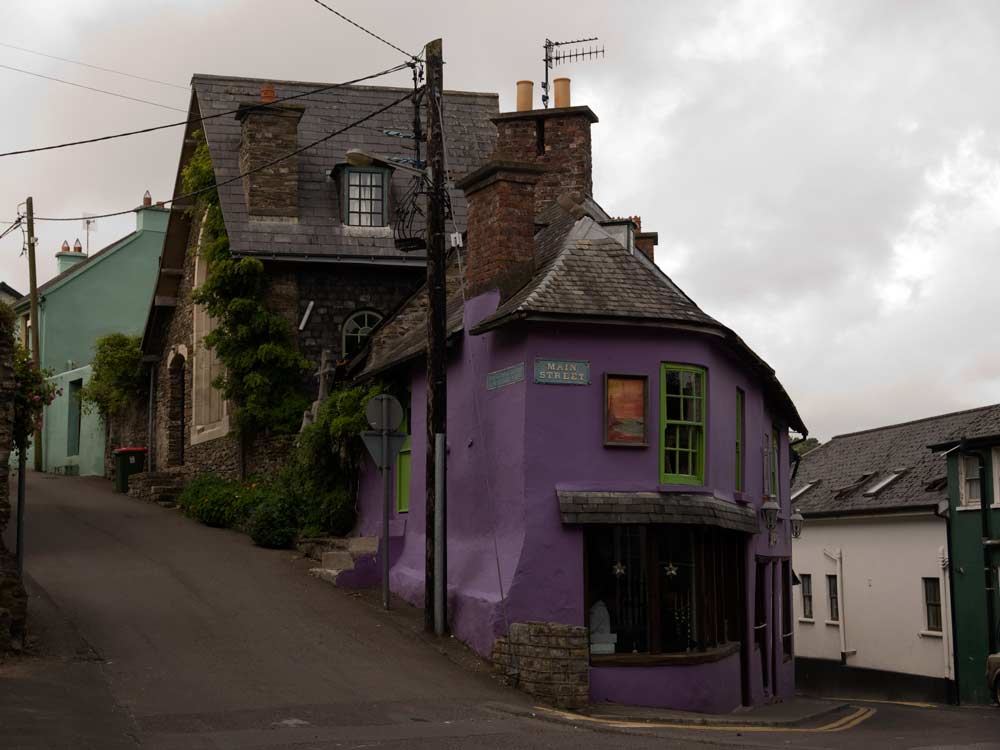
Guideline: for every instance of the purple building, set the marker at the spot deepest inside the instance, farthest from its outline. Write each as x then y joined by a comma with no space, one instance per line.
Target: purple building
609,450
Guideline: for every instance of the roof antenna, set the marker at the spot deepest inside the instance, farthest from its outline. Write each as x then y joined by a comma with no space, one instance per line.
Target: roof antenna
554,56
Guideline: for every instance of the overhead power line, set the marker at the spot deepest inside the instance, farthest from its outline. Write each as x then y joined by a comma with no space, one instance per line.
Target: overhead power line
367,31
94,67
271,163
90,88
13,225
195,120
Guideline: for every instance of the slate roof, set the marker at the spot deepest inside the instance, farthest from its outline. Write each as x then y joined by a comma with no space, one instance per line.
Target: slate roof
10,291
469,137
582,272
838,468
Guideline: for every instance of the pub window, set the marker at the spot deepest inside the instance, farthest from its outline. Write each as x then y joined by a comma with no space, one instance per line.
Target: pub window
807,596
662,589
833,599
932,603
364,198
682,424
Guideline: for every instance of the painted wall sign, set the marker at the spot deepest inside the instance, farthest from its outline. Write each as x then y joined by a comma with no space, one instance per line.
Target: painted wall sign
562,371
506,376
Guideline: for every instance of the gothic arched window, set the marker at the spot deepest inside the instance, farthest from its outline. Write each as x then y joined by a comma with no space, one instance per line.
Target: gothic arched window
357,328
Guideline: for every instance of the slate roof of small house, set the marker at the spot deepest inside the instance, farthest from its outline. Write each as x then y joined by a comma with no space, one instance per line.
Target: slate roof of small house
581,272
469,138
837,469
7,289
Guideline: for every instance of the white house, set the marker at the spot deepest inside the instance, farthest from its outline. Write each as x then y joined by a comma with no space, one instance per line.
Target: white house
873,605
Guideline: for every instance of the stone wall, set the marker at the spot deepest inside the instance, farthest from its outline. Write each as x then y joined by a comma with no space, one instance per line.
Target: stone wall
547,660
128,429
13,601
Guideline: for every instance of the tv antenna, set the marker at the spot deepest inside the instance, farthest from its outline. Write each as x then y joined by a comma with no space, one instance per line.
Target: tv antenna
89,225
554,56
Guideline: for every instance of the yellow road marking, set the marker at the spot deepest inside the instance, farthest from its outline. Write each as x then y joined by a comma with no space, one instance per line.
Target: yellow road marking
846,722
912,704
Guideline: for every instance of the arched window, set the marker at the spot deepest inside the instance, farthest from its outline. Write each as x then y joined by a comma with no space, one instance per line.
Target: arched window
357,329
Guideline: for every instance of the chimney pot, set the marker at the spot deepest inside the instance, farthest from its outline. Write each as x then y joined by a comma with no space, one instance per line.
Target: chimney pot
525,96
562,92
267,94
77,247
147,199
65,247
159,204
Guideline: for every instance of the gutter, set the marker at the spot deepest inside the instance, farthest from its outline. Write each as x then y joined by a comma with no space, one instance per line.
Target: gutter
946,615
838,557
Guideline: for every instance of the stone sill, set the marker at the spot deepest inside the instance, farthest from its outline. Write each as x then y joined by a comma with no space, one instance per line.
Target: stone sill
976,508
931,634
807,620
833,623
664,660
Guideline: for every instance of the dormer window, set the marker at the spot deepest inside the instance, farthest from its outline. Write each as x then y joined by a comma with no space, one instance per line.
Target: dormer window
364,196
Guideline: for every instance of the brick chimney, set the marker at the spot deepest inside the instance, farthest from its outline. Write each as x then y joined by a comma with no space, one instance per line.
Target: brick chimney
270,132
644,241
556,139
500,225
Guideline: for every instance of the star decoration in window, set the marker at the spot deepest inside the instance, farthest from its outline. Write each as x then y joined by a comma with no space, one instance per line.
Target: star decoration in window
618,569
670,570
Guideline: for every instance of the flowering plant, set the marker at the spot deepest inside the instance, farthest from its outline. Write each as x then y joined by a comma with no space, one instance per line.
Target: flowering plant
32,393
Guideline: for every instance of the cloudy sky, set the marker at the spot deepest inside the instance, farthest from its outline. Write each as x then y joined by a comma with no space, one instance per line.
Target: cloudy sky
824,176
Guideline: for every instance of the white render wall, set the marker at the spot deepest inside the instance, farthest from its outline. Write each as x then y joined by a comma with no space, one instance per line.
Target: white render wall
882,608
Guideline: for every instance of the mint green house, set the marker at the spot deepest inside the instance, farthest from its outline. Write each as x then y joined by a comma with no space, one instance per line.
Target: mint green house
974,551
91,296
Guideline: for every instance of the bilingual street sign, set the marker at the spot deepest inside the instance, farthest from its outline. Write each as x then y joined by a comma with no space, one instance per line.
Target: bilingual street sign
562,371
506,376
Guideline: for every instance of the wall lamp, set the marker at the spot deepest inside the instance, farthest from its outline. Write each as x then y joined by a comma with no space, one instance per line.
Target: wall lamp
796,520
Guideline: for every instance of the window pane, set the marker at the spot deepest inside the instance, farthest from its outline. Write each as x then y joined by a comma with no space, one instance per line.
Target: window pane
692,410
354,178
673,382
675,570
618,609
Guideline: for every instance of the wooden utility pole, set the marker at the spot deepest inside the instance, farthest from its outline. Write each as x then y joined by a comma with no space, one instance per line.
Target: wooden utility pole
33,291
435,615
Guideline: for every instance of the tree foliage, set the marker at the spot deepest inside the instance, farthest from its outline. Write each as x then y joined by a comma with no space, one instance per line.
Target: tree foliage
263,369
32,393
805,446
117,374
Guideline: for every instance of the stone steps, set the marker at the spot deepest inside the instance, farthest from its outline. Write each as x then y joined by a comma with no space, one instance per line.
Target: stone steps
338,555
160,487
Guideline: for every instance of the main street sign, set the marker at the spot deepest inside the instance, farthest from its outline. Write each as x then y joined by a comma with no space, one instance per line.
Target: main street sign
562,371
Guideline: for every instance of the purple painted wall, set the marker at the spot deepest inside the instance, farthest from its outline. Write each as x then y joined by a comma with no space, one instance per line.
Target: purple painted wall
510,448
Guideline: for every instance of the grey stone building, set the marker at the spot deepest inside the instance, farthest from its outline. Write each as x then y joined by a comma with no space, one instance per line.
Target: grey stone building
325,229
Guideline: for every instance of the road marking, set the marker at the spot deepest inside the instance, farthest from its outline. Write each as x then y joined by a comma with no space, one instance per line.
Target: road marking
912,704
846,722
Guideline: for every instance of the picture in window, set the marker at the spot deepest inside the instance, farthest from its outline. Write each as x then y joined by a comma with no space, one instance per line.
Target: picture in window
625,398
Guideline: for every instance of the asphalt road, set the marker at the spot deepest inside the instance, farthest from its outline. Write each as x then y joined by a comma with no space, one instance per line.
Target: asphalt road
151,630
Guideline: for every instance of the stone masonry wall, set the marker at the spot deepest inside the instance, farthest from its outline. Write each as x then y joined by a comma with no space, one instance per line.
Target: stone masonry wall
547,660
13,600
128,429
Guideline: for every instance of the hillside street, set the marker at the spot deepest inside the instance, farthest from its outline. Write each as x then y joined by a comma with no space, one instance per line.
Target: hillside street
151,630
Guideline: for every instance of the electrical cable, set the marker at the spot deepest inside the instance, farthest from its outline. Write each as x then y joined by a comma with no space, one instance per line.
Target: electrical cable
91,88
13,225
271,163
367,31
88,65
195,120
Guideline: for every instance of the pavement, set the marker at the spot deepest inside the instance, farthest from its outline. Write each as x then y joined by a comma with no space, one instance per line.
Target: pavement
150,630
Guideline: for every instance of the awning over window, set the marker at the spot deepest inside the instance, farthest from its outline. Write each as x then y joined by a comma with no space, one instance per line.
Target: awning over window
580,507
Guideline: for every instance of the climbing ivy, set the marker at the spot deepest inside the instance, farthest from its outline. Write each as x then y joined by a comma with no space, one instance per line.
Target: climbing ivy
117,379
263,369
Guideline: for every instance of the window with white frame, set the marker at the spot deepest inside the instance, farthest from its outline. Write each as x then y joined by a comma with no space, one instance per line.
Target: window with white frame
357,329
833,599
806,582
364,197
969,487
932,604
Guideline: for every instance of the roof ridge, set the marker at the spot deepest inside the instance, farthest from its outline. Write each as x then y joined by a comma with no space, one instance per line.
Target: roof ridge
288,82
912,422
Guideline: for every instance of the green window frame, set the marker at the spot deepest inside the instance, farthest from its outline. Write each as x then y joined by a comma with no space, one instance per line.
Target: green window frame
364,196
682,424
740,438
404,462
774,461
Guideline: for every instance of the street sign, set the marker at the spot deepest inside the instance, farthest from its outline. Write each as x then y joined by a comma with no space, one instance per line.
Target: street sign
389,418
373,442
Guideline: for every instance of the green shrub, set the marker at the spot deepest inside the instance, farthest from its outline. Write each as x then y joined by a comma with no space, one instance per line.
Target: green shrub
211,500
273,523
117,380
